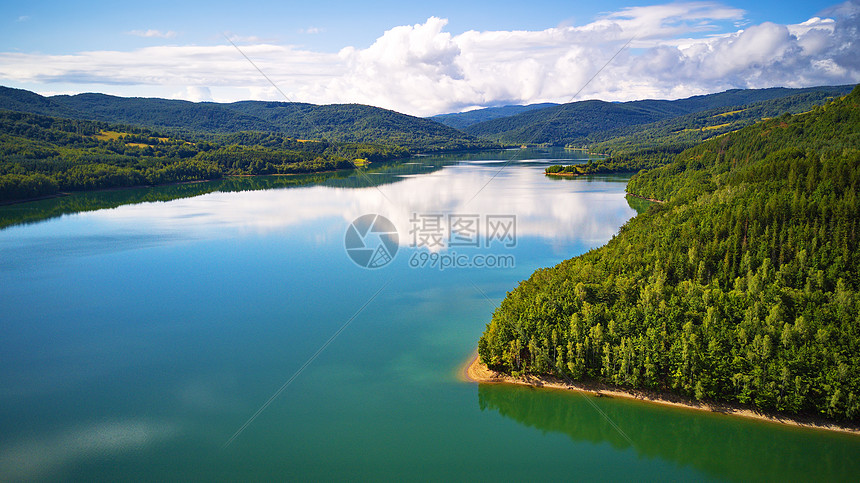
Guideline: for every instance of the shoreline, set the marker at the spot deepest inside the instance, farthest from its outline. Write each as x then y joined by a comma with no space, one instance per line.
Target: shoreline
565,175
561,174
475,371
653,200
62,194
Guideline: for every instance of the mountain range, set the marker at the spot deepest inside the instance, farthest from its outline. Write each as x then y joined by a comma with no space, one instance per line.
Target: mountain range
577,122
462,120
339,123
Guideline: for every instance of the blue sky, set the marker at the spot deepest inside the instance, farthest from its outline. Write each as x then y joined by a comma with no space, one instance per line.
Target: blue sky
421,57
66,27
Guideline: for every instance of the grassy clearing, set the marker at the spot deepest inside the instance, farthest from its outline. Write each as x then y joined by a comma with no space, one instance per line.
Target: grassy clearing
724,114
109,135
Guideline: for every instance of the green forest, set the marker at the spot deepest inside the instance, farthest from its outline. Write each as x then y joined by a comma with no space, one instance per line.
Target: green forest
635,148
742,287
42,155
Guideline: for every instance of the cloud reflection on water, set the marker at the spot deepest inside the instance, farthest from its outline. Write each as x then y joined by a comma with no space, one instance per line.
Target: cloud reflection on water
552,210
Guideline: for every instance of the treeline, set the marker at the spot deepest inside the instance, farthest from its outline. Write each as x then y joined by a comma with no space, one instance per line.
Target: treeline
645,158
742,288
98,200
82,201
43,155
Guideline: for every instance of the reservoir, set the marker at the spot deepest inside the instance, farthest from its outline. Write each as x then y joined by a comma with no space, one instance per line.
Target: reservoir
223,331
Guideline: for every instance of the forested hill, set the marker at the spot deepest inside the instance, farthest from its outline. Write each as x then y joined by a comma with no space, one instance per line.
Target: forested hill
648,146
576,122
340,123
461,120
42,155
742,287
357,123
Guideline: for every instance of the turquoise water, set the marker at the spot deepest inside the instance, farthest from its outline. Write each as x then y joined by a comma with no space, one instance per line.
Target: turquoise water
140,340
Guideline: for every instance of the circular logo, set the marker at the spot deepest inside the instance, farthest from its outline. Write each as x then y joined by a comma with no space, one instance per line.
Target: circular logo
371,241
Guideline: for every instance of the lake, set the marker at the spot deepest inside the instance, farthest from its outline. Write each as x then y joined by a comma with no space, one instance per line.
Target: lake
223,331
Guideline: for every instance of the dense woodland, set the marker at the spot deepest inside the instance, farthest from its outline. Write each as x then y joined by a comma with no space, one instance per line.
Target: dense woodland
41,155
742,287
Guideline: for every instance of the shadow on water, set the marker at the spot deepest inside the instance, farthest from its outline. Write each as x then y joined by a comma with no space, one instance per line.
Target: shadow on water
639,204
719,445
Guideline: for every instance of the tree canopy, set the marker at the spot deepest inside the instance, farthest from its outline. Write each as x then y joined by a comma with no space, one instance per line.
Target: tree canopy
43,155
742,287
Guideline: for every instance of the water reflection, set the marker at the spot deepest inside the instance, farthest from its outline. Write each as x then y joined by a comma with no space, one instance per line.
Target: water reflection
161,325
376,175
36,211
478,184
557,211
722,446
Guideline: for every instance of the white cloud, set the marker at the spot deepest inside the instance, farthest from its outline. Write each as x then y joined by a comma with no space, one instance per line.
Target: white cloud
22,18
663,21
194,94
153,33
247,39
311,30
679,49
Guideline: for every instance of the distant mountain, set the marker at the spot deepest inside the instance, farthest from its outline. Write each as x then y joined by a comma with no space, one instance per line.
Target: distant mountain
461,120
575,122
355,123
682,132
20,100
342,123
646,146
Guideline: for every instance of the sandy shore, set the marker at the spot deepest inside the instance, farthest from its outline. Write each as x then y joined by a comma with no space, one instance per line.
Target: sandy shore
653,200
476,371
564,175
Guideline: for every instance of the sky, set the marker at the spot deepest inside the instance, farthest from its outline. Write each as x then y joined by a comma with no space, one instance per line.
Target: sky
428,58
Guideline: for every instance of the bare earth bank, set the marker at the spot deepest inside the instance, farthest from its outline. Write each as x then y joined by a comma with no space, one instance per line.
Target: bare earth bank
476,371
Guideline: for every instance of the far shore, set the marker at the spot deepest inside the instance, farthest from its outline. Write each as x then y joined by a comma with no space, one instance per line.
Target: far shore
564,174
476,371
60,194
